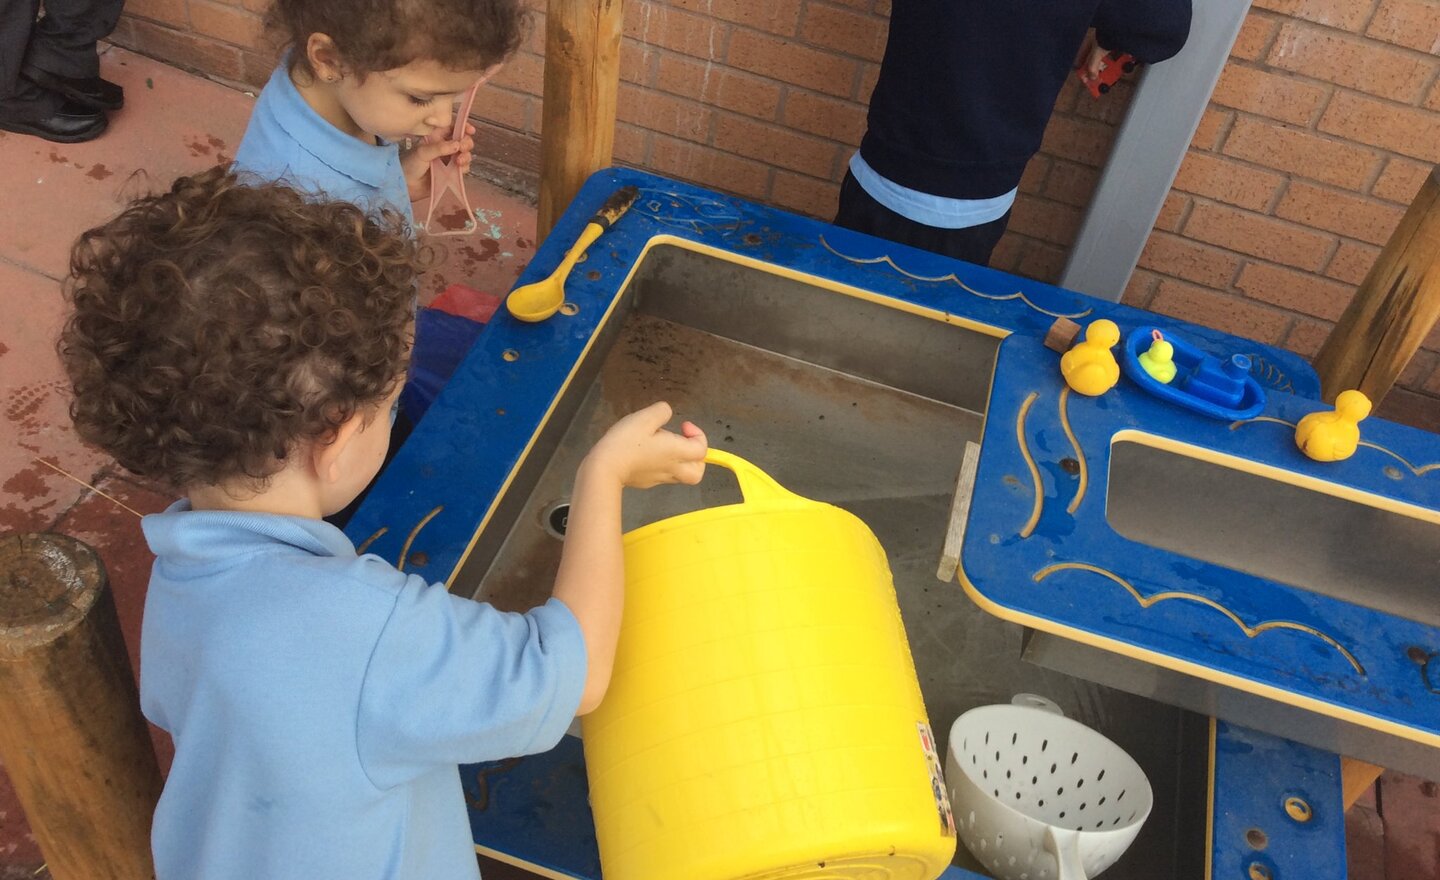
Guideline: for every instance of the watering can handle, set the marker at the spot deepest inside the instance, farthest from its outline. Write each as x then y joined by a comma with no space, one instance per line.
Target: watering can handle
755,484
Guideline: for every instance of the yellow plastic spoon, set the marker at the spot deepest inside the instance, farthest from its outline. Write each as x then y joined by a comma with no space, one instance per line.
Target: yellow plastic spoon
539,300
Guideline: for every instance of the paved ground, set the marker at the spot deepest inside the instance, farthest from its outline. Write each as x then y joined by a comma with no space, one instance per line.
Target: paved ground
175,124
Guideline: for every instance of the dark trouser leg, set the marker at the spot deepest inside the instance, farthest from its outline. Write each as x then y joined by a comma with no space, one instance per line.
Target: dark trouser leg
64,40
17,21
860,212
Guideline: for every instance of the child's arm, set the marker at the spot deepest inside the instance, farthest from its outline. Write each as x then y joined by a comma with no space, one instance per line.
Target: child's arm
415,162
636,452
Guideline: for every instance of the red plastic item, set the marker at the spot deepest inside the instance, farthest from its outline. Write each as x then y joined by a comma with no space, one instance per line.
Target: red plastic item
1114,66
467,302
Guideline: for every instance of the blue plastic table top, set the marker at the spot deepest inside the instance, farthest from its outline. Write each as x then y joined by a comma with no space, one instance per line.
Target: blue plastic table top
441,489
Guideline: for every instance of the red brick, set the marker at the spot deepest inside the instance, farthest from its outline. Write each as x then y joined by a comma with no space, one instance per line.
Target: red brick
1212,129
1411,23
1170,254
1273,95
1352,216
1422,365
1079,140
256,67
1233,314
1301,153
1042,262
882,7
523,73
227,23
631,144
687,161
806,195
1006,255
637,63
1433,101
535,33
1070,183
792,63
776,16
718,85
172,12
1140,288
844,31
1173,211
1296,291
1432,385
838,120
1263,237
663,113
1109,108
1354,62
1352,261
870,73
185,50
775,146
675,29
1401,180
1046,220
1347,15
1306,337
1032,179
506,146
1407,130
1226,180
259,7
1255,35
504,107
1407,407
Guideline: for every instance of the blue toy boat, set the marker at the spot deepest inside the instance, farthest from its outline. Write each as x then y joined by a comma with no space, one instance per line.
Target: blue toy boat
1203,383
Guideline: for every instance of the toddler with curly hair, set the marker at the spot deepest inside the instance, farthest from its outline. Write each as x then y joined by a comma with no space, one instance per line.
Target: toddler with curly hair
246,345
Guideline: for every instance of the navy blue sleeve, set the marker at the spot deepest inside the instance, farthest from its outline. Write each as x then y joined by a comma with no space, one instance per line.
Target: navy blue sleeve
1151,30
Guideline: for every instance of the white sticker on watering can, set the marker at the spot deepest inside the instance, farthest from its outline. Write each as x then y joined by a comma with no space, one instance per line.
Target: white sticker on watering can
937,781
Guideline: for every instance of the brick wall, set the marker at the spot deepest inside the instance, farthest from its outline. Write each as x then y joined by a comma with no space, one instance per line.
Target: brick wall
1320,131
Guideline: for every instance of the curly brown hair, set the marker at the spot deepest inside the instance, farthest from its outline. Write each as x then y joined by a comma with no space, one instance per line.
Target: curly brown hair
373,35
217,327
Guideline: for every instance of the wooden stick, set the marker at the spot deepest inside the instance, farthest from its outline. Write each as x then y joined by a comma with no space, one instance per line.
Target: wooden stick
1394,308
582,77
72,739
959,513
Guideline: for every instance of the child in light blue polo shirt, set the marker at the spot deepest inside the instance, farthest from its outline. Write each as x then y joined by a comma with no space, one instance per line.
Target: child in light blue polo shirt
319,700
360,82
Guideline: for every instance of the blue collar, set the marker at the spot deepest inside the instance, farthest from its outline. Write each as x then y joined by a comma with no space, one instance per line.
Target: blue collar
349,156
217,538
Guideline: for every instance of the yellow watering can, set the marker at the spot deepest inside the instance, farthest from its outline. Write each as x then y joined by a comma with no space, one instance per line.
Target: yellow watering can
764,719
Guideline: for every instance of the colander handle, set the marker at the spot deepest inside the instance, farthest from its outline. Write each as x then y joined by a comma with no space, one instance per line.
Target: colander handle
755,484
1065,845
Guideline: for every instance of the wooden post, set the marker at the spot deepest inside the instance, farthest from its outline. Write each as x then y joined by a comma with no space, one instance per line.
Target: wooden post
1394,308
582,76
72,738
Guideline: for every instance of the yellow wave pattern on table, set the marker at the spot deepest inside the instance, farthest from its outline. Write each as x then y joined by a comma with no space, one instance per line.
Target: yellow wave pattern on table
1029,528
1417,470
937,279
409,539
1148,601
1079,453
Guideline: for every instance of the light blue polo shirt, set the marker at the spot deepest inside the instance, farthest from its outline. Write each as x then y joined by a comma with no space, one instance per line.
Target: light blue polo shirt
288,141
320,702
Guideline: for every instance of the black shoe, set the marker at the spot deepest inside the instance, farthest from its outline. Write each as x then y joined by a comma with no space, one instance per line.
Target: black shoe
70,124
92,91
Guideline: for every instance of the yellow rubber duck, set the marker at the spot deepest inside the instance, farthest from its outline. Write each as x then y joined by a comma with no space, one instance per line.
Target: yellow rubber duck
1333,435
1159,360
1089,368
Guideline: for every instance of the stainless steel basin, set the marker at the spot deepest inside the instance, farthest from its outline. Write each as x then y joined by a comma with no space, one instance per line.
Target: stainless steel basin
844,399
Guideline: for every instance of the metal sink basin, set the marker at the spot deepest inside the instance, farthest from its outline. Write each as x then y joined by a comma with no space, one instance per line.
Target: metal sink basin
843,399
1359,548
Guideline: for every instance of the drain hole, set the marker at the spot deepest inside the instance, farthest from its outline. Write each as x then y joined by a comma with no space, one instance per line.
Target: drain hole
557,517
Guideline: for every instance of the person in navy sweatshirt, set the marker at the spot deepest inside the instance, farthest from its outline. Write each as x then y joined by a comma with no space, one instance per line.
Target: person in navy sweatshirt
965,91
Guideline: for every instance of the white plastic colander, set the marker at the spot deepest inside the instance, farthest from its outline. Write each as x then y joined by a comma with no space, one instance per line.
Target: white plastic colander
1038,796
